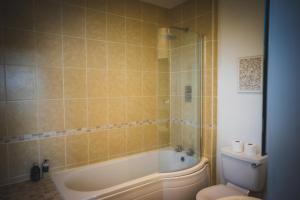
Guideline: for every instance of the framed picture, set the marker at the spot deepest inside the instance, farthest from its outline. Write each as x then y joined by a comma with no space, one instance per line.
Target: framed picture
250,74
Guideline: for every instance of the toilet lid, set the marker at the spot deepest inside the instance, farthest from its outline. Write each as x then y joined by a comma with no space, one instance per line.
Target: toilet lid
217,191
238,198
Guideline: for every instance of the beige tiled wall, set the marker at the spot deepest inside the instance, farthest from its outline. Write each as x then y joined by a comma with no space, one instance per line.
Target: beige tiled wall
201,17
69,64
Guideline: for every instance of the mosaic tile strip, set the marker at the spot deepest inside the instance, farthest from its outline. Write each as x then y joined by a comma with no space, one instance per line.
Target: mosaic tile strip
185,122
50,134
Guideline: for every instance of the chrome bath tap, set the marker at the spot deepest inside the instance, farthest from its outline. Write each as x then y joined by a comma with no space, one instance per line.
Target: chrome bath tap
190,152
178,148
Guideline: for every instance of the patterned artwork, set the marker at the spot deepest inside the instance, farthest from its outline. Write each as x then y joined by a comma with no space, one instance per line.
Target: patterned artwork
250,74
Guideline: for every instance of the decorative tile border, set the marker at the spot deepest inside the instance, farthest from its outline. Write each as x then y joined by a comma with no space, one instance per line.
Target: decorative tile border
185,122
51,134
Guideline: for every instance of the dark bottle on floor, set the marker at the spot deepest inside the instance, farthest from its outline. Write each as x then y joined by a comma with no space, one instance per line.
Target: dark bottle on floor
35,173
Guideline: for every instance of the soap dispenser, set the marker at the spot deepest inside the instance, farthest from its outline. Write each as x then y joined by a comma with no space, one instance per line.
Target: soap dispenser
45,168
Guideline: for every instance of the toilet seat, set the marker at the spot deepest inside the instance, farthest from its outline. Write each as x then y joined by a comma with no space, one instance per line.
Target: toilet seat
218,191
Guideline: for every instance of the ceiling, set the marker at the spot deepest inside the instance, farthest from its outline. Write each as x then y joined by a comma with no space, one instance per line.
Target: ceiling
165,3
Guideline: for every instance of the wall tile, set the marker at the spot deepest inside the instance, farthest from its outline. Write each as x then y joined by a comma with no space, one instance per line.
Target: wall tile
149,83
149,59
149,108
175,135
149,32
53,149
98,146
163,134
133,31
188,137
150,137
20,82
96,54
204,25
133,9
186,80
99,5
176,107
74,52
21,117
97,83
116,142
73,20
134,57
189,58
50,83
163,84
19,14
75,114
134,139
117,83
176,83
116,7
21,156
77,150
97,112
116,28
176,55
49,50
163,65
2,84
134,83
95,25
75,83
48,16
2,119
163,107
116,107
51,115
116,56
20,47
134,108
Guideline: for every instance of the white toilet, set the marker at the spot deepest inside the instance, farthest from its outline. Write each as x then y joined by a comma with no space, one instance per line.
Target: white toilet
242,174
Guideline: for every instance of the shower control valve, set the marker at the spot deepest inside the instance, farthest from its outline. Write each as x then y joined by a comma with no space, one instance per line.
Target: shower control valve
178,148
190,152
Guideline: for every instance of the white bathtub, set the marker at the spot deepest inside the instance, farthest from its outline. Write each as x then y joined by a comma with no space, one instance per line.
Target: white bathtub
153,175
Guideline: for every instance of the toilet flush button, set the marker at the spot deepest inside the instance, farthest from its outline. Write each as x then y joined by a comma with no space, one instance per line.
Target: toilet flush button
238,198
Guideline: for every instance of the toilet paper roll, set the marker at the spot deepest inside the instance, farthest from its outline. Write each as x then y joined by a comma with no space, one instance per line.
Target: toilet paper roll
250,149
237,146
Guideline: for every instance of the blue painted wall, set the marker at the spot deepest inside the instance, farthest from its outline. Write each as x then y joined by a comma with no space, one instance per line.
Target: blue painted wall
283,103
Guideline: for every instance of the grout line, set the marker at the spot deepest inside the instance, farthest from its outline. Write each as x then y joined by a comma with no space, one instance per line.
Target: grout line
86,82
63,80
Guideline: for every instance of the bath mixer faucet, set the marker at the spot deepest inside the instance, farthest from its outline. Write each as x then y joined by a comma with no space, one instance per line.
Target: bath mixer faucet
190,152
178,148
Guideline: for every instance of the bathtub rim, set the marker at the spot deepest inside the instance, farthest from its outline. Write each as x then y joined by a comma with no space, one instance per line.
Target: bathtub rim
138,182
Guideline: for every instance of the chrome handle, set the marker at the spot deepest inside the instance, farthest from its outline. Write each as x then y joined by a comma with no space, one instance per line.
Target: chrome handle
255,165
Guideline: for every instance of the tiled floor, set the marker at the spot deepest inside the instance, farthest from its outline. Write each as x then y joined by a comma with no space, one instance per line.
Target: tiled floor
42,190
